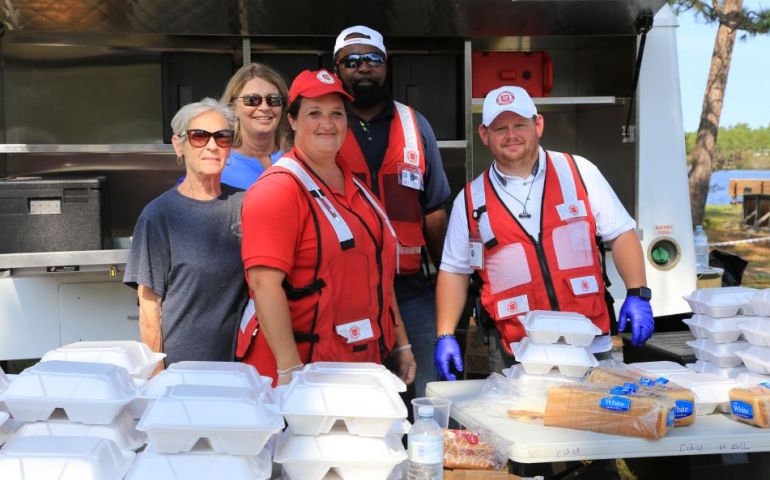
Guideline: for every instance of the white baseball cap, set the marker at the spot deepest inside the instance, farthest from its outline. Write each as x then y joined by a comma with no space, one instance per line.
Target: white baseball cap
507,99
361,36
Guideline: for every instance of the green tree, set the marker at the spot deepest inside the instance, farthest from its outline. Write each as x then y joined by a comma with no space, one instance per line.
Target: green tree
731,17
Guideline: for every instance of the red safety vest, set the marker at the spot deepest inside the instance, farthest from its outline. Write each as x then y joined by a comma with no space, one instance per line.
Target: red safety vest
558,271
405,153
335,308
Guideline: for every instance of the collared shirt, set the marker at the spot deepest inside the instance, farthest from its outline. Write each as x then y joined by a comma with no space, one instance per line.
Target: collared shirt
373,135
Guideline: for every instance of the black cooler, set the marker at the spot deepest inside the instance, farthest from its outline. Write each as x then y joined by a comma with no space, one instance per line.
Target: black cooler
52,214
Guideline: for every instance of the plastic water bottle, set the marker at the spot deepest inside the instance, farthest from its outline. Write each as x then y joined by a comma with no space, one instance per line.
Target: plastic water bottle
701,248
426,447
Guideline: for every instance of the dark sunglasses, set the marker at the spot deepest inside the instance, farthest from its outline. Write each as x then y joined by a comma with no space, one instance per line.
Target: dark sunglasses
200,138
273,100
354,60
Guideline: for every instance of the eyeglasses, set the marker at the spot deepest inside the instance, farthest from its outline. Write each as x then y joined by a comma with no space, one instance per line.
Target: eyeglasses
354,60
273,100
200,138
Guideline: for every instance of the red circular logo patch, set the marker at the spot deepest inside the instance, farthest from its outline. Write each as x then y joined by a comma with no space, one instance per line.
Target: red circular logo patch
355,332
325,77
585,285
504,98
512,307
573,209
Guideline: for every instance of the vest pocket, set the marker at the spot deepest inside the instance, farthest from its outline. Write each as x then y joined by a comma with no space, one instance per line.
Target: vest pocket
402,204
573,245
351,288
507,267
584,296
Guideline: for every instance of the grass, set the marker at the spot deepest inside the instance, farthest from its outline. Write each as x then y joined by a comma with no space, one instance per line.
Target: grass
723,223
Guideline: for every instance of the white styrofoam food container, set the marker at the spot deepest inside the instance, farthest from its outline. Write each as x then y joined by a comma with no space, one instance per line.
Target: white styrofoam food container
701,366
352,457
718,330
215,374
233,419
93,393
314,401
756,359
663,368
757,331
750,379
720,354
711,391
721,302
386,377
538,359
200,465
517,373
122,431
4,382
760,302
63,458
136,357
544,326
4,433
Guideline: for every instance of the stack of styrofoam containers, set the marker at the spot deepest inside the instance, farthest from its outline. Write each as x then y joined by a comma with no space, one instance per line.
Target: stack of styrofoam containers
757,332
541,350
94,397
343,417
716,324
206,420
136,357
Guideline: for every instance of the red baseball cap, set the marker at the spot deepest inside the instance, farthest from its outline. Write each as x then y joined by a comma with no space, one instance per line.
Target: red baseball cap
311,84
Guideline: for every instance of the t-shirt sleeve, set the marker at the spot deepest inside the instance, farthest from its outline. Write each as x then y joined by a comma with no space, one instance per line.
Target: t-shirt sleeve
270,221
456,255
611,216
149,260
436,190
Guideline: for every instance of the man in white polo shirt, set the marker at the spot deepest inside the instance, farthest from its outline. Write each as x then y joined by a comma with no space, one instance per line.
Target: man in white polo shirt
528,226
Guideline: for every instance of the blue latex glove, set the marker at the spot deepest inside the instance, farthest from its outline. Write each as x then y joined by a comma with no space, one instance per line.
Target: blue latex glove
448,349
637,311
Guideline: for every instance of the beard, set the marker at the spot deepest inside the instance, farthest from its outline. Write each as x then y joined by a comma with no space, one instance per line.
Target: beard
367,94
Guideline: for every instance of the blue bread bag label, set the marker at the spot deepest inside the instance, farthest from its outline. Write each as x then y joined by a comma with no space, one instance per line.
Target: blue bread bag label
684,408
617,404
742,409
670,417
661,381
646,381
625,389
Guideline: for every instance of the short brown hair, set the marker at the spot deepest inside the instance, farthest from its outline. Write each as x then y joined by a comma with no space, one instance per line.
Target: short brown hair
268,74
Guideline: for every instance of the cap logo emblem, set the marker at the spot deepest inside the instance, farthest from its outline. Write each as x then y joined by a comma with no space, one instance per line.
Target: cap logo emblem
504,98
325,77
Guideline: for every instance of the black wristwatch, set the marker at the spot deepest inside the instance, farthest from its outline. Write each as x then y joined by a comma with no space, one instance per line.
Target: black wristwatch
642,292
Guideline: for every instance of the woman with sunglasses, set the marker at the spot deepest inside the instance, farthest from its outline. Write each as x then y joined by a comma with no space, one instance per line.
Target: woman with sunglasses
185,252
319,251
257,94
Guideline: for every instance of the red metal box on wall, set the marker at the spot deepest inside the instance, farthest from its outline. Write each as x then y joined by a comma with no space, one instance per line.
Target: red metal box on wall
532,71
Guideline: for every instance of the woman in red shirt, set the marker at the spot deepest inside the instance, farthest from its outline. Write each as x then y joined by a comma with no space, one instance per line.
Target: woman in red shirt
319,251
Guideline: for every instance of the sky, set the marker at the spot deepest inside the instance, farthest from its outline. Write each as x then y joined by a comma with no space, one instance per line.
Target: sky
747,99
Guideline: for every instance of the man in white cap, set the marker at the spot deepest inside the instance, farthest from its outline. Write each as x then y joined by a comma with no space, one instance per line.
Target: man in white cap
393,148
528,226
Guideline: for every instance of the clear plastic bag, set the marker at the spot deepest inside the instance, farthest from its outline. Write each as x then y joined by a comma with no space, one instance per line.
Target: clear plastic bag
474,450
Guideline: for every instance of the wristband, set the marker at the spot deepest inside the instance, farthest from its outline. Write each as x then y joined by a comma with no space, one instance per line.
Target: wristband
402,347
290,369
443,335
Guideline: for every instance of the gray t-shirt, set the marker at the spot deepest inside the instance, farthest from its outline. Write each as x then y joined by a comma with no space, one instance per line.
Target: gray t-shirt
189,252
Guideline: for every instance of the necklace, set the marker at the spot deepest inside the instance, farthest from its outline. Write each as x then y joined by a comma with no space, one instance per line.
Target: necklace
502,182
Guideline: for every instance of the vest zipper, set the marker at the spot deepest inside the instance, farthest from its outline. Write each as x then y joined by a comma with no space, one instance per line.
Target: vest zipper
546,272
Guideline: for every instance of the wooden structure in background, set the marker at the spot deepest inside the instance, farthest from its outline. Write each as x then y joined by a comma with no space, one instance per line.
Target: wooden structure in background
739,186
756,209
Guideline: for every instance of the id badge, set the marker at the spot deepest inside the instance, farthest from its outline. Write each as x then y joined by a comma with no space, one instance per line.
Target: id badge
356,331
476,254
410,176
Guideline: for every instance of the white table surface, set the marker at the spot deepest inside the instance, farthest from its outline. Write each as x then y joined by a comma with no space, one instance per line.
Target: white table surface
532,442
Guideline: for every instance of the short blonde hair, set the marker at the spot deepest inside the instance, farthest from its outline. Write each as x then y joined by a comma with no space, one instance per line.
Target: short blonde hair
268,74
